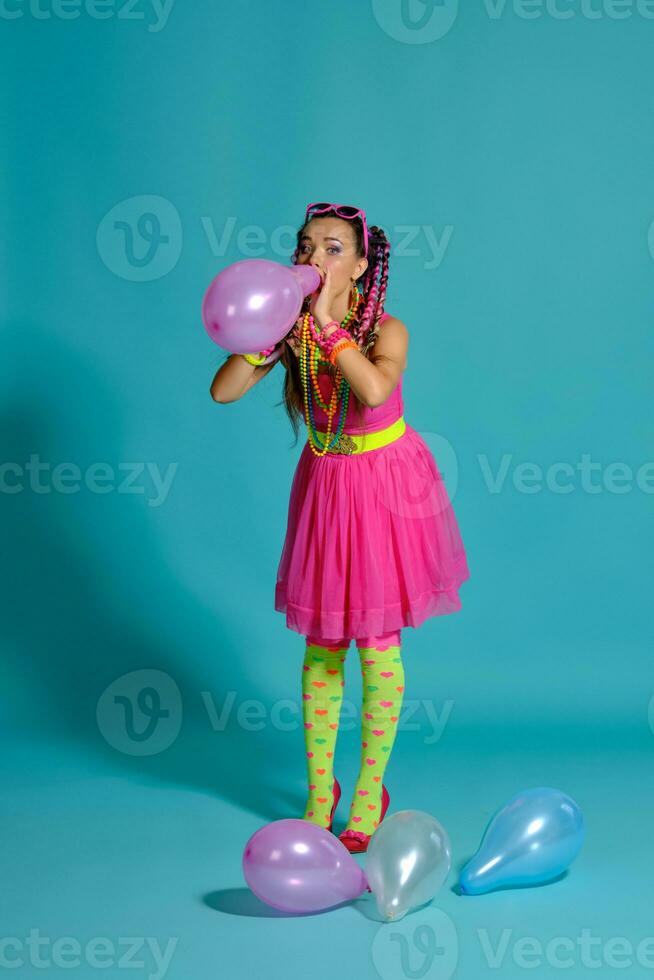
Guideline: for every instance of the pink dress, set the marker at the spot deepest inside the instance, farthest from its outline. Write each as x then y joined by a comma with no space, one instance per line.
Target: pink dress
372,543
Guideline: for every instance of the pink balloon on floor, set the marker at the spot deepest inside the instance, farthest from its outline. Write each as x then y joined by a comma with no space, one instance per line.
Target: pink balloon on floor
297,866
252,304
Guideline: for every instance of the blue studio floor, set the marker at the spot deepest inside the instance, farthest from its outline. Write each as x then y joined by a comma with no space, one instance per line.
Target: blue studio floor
138,861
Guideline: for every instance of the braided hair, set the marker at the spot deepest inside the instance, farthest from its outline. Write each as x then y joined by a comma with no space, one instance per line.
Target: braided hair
364,327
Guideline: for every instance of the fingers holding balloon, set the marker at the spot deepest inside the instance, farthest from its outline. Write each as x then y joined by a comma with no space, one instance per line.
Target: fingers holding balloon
325,301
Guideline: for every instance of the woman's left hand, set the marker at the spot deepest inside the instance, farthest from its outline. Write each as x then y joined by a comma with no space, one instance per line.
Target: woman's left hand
324,303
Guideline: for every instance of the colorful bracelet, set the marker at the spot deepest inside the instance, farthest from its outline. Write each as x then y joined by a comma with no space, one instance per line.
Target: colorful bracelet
267,356
341,347
334,338
326,343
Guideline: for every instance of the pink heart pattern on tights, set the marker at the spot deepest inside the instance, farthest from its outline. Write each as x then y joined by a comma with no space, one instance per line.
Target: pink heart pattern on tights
370,762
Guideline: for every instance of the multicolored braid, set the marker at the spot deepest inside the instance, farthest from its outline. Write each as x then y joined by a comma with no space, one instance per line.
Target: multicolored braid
375,280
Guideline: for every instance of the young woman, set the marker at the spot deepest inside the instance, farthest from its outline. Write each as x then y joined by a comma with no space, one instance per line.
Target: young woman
372,544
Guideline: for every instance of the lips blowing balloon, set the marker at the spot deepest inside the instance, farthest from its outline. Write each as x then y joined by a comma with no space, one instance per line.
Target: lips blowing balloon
252,304
530,840
297,866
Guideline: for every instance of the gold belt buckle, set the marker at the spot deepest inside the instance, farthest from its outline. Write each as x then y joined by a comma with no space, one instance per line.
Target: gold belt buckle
344,444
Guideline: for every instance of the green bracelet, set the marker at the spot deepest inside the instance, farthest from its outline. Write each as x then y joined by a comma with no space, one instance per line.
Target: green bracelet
255,359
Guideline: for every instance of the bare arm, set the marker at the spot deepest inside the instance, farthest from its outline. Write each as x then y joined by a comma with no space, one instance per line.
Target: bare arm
235,377
373,380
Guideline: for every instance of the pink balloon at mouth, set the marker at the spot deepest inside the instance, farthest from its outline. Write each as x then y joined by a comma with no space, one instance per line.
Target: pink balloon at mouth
252,304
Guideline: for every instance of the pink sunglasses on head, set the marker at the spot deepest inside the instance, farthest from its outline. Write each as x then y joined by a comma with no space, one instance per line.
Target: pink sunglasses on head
343,211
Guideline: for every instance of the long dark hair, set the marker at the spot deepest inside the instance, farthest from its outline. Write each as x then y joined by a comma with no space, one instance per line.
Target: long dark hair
364,328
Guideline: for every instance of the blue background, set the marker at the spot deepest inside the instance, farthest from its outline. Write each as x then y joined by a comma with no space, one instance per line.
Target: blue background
523,144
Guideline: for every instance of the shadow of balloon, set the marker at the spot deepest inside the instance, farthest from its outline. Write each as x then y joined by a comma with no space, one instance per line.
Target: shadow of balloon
242,901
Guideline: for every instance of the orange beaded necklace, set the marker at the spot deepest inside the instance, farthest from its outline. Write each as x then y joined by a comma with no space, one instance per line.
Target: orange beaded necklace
311,358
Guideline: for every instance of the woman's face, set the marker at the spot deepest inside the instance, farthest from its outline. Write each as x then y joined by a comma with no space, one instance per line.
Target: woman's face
331,243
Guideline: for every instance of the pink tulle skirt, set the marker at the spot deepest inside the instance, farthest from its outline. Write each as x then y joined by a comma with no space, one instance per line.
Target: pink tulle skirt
372,543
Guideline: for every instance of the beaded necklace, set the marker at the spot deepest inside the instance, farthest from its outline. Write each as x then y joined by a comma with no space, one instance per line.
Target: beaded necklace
311,359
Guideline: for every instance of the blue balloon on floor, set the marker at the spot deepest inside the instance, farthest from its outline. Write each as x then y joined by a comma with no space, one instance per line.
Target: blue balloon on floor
531,839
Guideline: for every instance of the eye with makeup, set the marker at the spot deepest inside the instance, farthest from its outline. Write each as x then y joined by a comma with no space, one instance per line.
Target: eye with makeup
336,250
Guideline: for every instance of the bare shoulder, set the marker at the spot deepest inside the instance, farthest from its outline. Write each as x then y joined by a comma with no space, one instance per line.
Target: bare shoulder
392,340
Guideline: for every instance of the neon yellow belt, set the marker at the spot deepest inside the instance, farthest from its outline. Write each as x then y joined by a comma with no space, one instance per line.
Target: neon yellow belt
350,443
